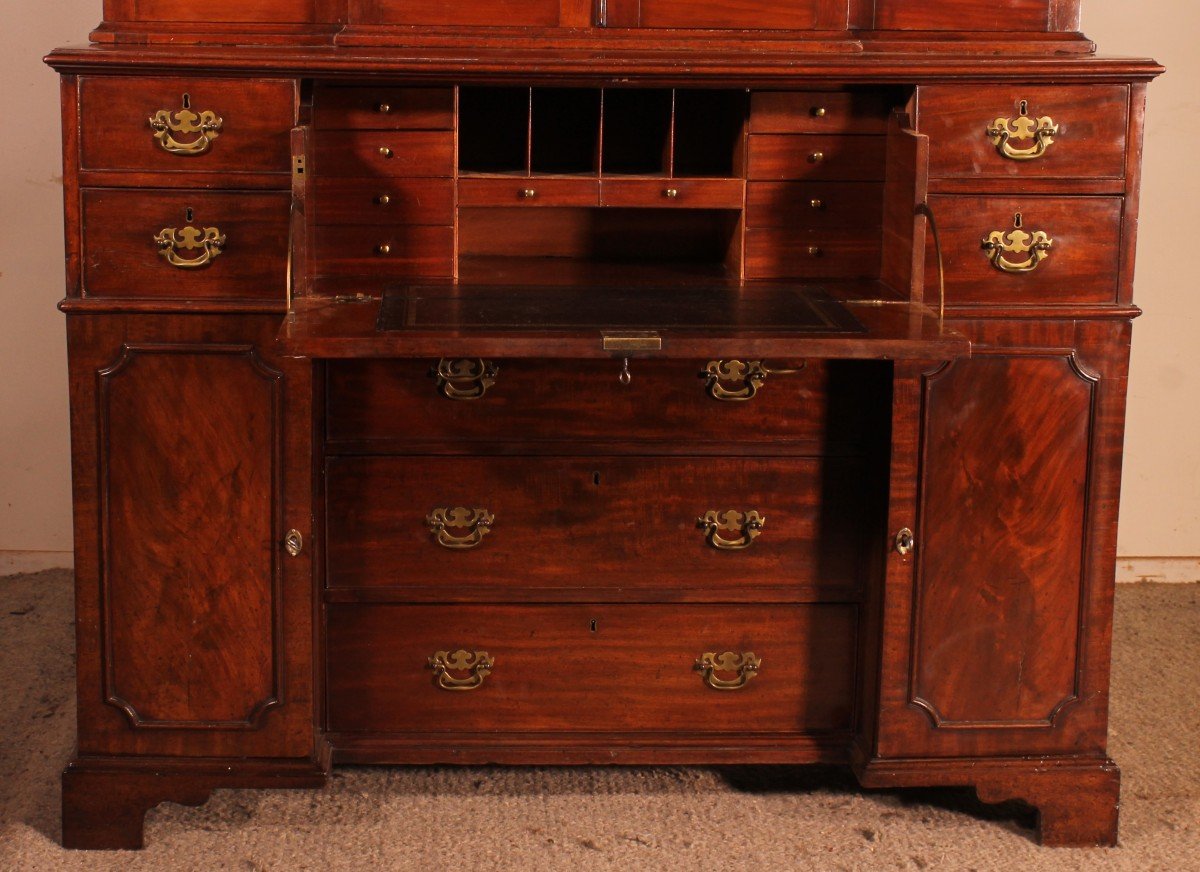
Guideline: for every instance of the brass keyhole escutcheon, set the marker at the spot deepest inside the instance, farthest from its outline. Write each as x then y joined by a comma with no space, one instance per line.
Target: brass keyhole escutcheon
905,542
293,543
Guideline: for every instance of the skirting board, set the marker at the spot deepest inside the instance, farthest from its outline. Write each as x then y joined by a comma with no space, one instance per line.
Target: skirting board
1169,570
1163,570
16,562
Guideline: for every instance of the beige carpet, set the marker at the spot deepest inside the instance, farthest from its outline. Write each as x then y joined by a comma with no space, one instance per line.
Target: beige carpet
430,819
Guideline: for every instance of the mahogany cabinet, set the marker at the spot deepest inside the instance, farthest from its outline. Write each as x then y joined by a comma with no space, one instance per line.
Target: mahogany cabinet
638,382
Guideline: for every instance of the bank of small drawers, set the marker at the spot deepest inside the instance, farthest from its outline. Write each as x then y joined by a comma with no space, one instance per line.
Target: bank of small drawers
1004,245
815,171
185,187
384,193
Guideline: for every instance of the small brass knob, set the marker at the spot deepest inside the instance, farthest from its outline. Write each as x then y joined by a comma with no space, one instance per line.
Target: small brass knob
817,204
814,251
383,249
818,112
528,193
382,200
383,108
386,152
816,157
671,193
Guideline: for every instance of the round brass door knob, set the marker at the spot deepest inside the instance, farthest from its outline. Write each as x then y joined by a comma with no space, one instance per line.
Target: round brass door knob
817,204
383,108
815,251
528,193
816,157
386,152
383,249
382,200
818,112
671,193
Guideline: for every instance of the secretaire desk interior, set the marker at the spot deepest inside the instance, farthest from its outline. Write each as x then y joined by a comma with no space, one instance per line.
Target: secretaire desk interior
646,381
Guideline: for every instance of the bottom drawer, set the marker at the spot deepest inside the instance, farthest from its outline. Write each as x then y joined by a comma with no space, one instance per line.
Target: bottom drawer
591,668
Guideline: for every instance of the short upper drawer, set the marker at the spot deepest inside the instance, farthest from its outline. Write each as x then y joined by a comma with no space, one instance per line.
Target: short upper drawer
486,669
814,205
528,191
374,108
185,244
674,193
386,200
186,125
626,523
1066,131
394,251
1067,249
415,153
784,252
818,112
401,404
823,158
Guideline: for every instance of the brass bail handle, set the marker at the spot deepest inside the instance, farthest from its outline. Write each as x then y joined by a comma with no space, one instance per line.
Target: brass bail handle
477,523
449,668
748,526
1039,133
1032,248
736,381
743,666
465,378
176,245
197,130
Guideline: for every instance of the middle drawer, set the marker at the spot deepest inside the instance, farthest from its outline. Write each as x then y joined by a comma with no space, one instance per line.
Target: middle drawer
715,526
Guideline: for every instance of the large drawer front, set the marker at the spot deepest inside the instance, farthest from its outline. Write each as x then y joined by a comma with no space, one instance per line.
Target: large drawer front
665,405
1080,266
248,130
233,245
1092,121
591,668
599,522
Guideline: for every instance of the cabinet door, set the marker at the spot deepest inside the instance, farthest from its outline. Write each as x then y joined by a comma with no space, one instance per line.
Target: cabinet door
194,631
997,641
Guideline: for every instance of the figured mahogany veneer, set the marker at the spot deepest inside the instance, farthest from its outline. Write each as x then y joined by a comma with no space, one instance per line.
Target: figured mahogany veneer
284,519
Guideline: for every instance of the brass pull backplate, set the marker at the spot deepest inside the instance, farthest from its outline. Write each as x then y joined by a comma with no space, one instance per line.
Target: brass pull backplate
202,127
748,526
743,378
1039,133
209,241
1033,248
743,666
465,378
448,666
477,521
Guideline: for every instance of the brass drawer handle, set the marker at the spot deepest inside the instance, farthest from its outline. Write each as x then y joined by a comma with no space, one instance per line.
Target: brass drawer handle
210,242
204,126
465,378
477,521
477,664
1035,246
744,665
1004,130
748,526
749,375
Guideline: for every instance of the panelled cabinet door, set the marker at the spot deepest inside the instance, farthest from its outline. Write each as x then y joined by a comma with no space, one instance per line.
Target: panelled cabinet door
194,633
1000,641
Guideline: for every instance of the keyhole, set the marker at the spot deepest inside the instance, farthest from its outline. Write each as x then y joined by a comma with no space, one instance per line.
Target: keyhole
1018,220
188,214
596,479
593,625
187,101
1024,107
